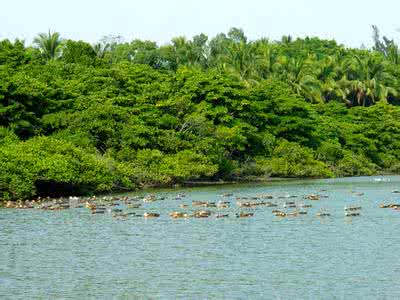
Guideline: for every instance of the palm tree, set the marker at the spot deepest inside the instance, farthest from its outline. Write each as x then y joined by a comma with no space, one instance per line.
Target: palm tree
393,54
330,72
200,50
181,48
286,39
101,49
368,81
266,58
217,47
298,74
49,44
240,60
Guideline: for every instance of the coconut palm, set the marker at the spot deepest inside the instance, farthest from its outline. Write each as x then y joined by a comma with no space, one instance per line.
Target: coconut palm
101,49
183,51
329,74
240,60
200,50
49,44
297,72
266,58
286,39
368,81
393,54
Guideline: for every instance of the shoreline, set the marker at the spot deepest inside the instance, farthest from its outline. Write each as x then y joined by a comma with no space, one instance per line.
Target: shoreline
261,179
249,180
242,180
201,183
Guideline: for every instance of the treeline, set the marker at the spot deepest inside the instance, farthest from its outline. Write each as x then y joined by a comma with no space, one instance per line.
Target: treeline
81,118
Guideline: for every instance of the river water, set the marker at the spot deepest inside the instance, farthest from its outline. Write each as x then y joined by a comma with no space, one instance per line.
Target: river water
72,254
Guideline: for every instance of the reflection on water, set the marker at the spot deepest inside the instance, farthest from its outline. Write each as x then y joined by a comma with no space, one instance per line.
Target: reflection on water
73,254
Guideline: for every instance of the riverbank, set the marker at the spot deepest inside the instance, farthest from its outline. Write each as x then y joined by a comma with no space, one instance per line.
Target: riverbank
98,125
264,179
199,183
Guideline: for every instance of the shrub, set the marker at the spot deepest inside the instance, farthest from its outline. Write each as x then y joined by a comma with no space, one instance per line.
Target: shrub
44,162
354,164
154,167
292,160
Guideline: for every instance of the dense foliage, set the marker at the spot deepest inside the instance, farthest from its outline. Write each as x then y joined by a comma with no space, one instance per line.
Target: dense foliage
77,118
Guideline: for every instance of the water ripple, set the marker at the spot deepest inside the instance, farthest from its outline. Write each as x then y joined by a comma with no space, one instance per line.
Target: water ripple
72,254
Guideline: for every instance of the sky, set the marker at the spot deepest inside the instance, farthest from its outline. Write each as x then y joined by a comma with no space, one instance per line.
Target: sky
347,21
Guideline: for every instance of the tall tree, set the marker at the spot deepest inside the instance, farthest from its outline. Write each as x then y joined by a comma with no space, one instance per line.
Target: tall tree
297,72
368,80
101,49
49,44
241,61
78,52
238,57
267,58
13,54
383,45
330,72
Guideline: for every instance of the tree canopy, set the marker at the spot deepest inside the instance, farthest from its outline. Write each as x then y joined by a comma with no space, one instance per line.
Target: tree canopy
81,118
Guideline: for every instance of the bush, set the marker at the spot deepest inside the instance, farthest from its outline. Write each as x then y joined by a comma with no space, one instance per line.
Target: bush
292,160
330,152
43,162
7,136
153,167
355,165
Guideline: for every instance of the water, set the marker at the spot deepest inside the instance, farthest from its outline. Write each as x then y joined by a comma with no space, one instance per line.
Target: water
73,254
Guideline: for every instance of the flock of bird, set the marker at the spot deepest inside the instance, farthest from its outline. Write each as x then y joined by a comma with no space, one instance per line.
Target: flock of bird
125,206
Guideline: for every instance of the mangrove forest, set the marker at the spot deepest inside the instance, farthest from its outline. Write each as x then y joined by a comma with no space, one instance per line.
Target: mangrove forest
77,118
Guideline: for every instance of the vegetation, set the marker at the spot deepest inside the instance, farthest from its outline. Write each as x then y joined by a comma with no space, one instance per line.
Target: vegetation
77,118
